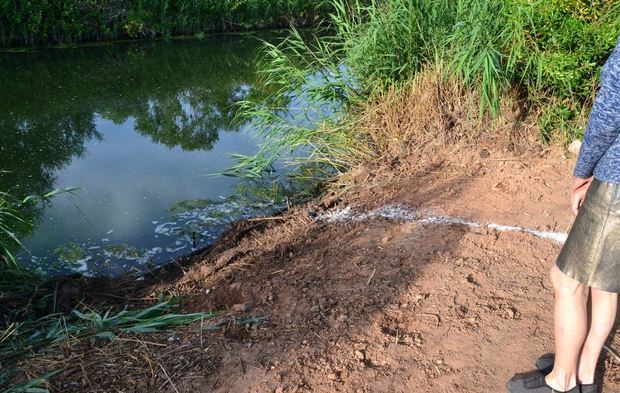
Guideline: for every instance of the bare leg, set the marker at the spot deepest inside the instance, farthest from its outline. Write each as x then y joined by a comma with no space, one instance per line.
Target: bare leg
604,307
570,327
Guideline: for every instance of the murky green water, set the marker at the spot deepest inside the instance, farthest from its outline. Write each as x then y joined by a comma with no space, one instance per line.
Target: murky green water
138,127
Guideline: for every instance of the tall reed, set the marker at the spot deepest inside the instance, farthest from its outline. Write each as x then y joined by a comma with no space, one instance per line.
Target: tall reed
547,54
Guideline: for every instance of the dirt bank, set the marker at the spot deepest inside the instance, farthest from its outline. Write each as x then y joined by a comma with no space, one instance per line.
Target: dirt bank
377,305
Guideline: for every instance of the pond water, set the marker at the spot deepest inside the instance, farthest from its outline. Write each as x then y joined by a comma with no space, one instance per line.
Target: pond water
139,128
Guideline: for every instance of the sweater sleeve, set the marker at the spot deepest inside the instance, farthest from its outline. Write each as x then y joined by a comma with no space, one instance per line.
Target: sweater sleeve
604,122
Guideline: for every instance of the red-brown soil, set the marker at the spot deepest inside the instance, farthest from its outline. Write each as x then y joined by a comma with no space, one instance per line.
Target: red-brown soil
375,306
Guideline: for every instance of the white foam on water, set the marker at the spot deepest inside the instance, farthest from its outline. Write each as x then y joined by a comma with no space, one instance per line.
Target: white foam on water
403,213
170,249
154,251
81,265
165,228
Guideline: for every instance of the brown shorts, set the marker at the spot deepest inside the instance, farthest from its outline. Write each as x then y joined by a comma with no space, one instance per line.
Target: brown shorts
591,254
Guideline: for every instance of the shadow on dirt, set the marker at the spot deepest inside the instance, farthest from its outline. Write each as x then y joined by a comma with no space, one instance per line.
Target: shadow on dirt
377,306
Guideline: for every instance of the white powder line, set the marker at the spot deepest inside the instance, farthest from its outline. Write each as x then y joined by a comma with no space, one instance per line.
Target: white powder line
403,213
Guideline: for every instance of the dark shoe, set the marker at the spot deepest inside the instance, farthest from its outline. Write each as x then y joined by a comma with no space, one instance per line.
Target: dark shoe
533,382
544,364
589,388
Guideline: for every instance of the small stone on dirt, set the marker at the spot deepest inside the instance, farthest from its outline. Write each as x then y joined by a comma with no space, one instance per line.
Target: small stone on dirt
242,307
471,279
512,313
408,340
574,147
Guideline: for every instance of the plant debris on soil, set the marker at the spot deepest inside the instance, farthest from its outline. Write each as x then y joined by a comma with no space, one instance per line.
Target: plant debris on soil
377,305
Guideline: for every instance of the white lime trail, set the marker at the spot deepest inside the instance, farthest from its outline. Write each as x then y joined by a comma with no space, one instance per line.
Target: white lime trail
403,213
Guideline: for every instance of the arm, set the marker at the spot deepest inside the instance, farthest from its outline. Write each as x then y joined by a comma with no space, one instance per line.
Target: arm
604,123
603,129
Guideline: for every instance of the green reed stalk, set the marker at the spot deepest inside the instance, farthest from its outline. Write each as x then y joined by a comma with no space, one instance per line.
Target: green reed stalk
547,53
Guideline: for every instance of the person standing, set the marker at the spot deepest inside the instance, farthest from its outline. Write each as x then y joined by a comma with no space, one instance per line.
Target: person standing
589,262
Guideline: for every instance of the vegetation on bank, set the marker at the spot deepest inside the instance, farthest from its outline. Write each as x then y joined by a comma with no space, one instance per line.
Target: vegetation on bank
541,58
381,78
24,23
29,307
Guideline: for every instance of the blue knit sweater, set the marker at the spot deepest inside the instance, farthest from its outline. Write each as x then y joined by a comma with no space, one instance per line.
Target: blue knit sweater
600,151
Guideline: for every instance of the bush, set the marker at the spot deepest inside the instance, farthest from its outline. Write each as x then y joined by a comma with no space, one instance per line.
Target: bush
570,40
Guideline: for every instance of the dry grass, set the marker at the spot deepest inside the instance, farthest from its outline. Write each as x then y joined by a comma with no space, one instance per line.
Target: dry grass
135,363
436,110
424,119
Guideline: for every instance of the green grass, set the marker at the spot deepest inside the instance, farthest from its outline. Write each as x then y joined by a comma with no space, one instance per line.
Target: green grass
26,337
13,224
298,123
547,54
10,222
547,48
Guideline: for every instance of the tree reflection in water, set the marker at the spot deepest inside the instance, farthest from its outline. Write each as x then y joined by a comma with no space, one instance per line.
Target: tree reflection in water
178,93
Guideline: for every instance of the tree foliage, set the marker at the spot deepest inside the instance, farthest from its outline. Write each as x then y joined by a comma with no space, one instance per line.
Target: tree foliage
69,21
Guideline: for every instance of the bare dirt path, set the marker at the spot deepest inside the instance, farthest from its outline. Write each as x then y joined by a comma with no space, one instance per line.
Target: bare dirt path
368,306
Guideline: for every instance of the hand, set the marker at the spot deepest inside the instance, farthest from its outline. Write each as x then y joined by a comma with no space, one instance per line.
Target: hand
578,190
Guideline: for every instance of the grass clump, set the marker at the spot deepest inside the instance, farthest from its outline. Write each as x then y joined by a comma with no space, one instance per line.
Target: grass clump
70,252
189,205
543,57
123,251
49,330
27,337
548,49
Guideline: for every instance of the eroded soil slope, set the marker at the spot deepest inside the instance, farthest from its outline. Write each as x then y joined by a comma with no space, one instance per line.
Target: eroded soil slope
368,306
